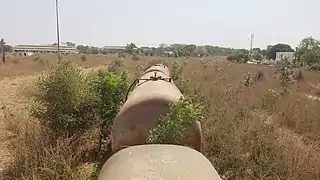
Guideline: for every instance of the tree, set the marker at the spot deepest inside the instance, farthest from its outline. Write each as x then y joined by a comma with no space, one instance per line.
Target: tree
130,47
258,50
308,53
153,51
161,49
272,50
241,56
94,50
83,49
258,57
264,52
190,49
8,48
71,44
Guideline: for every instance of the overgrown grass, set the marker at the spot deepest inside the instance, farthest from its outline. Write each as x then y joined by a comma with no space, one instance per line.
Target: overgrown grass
250,132
68,107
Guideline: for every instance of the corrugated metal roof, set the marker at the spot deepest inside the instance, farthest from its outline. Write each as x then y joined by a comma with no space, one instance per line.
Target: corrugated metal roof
41,46
114,47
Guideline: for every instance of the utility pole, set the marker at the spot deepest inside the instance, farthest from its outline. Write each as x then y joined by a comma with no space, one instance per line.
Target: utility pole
251,41
3,51
58,33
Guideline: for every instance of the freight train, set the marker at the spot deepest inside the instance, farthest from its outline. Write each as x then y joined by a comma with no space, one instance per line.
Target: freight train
132,158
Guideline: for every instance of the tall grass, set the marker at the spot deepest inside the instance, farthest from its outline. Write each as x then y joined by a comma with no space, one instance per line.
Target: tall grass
250,132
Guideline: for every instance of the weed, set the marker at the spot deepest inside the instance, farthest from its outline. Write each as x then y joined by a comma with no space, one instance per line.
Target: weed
114,65
172,127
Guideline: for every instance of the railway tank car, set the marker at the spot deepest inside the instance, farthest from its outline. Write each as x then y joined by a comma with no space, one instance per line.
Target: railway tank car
158,162
149,99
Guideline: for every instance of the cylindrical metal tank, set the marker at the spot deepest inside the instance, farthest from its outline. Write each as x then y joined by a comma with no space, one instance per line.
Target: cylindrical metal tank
158,162
149,100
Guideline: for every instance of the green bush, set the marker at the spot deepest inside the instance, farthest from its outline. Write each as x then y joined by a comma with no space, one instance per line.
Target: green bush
239,58
108,91
68,102
172,127
62,99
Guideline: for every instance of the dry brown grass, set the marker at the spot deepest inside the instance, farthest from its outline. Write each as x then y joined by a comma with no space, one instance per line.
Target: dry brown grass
22,66
242,138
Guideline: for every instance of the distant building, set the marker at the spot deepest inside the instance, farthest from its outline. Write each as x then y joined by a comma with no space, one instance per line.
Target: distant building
114,49
282,55
168,53
27,50
144,48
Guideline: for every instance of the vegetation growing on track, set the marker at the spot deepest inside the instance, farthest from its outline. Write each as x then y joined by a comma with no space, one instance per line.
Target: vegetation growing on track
172,127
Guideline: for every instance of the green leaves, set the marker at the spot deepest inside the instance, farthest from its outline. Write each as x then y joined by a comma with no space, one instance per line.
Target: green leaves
308,53
172,127
69,102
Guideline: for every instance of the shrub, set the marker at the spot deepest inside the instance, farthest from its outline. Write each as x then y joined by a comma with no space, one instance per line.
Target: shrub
138,71
83,58
74,112
171,128
239,58
231,58
108,94
114,65
259,76
258,57
34,157
287,74
270,99
62,99
299,75
68,102
176,70
177,76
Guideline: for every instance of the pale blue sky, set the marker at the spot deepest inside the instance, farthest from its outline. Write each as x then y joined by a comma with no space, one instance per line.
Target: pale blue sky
147,22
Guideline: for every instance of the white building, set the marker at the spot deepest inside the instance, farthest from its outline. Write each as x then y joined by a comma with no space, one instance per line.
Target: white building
282,55
27,50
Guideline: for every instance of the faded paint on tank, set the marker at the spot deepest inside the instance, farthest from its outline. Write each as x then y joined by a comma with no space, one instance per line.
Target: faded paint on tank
145,104
158,162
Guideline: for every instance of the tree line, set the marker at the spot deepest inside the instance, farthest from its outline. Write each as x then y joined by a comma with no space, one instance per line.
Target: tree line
306,54
177,50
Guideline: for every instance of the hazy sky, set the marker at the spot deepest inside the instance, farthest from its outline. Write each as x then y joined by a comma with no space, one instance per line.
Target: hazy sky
148,22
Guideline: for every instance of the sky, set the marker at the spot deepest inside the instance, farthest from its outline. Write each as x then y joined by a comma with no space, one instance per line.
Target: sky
227,23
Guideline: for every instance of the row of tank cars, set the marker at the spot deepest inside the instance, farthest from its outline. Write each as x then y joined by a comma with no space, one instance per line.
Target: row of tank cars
132,158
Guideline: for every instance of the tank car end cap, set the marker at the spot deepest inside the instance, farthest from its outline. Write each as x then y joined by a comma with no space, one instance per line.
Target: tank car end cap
158,162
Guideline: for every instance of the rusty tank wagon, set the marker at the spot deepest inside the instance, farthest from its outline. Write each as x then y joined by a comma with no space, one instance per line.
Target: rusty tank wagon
132,158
